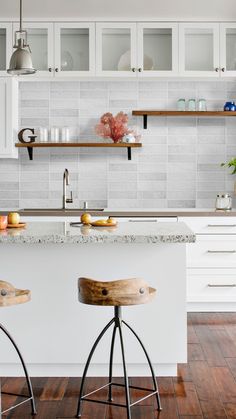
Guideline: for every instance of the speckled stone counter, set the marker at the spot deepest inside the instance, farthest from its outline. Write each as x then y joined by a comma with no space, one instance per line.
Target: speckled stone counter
124,232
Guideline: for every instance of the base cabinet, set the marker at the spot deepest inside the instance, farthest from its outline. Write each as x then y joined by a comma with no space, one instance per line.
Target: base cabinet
8,117
211,264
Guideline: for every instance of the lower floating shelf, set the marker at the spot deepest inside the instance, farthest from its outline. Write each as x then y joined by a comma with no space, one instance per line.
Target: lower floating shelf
31,146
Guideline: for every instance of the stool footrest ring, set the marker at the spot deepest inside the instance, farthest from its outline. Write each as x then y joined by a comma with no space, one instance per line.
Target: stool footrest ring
85,397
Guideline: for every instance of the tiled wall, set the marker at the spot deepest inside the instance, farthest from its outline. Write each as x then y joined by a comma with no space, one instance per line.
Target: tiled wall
178,166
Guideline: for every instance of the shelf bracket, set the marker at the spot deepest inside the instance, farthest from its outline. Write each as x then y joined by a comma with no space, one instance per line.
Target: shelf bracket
129,153
30,152
144,121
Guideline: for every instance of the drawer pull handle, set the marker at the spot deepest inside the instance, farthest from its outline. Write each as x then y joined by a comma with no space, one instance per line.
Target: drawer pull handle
221,251
142,221
221,225
221,285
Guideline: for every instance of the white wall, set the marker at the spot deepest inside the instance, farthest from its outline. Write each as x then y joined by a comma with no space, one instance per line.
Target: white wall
154,9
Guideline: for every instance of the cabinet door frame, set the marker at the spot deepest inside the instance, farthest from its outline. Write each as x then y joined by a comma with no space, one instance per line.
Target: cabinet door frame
175,48
9,44
10,116
223,66
133,49
57,46
216,49
42,25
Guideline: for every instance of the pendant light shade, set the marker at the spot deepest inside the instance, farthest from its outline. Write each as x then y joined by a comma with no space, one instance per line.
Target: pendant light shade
21,60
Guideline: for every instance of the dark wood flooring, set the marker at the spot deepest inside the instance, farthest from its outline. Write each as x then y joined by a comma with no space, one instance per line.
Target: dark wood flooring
204,388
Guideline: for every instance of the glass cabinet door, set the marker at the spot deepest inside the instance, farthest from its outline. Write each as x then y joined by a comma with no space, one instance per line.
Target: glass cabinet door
199,49
228,49
40,40
5,46
157,49
75,49
116,49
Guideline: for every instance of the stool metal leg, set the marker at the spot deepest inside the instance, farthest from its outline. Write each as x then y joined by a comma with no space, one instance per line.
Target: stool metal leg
32,401
125,373
150,365
111,362
88,363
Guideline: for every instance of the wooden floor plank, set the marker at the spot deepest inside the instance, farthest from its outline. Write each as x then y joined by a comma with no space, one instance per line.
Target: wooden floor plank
210,346
195,352
226,384
184,372
187,398
54,389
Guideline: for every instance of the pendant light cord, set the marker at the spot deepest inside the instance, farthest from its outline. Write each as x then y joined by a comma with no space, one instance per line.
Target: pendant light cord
20,15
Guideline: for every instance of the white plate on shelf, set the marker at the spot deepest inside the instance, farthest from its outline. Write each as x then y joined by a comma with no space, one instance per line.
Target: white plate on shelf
124,62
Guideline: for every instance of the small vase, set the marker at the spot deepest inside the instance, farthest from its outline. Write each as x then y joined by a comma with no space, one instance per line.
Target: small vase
235,187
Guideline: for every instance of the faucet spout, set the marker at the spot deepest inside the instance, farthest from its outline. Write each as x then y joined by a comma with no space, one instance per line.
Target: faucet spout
66,183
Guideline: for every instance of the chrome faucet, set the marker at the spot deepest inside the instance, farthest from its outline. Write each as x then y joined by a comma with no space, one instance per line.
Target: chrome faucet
66,182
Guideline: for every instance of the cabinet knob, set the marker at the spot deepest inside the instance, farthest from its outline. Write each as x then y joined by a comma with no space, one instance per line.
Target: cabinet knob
139,69
217,69
223,69
56,69
50,69
133,69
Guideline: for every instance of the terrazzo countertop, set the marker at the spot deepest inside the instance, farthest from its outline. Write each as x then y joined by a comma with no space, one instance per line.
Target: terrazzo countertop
124,212
124,232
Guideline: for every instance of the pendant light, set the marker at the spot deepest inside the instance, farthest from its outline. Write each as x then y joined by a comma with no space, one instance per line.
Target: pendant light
21,60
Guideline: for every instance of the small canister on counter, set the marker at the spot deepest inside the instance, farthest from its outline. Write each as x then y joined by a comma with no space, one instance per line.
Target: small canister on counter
192,105
202,107
65,134
224,202
181,105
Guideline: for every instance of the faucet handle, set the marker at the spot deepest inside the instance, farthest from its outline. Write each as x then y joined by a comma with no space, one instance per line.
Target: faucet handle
70,200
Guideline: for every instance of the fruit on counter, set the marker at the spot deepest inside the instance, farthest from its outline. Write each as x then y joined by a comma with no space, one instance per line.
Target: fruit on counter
99,222
13,218
111,221
3,222
108,221
86,218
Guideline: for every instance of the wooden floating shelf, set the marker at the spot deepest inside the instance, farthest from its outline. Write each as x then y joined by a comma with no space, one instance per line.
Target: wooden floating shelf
150,112
31,146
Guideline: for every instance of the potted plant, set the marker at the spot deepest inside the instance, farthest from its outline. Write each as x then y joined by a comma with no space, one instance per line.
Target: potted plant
232,165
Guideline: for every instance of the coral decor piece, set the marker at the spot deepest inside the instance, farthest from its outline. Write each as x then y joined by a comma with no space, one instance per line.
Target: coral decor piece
114,127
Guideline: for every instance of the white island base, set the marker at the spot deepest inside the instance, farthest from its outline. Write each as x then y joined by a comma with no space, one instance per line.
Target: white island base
55,332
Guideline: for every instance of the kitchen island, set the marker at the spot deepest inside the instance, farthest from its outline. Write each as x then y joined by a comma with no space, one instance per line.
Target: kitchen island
55,331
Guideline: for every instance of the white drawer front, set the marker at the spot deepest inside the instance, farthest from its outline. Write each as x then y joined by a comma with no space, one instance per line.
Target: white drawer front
211,285
211,252
211,225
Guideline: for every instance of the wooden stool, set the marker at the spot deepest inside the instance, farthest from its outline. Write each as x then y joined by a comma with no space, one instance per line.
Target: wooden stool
12,296
117,294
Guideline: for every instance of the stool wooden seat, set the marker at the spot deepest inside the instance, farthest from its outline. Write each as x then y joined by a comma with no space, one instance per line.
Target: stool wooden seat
124,292
9,295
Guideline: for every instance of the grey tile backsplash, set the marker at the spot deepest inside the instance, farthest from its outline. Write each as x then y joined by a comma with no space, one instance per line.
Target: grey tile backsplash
178,166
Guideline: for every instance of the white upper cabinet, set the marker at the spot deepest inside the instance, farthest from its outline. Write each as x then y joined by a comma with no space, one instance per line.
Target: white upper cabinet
40,40
126,49
8,116
116,53
228,49
5,46
75,49
199,49
157,49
